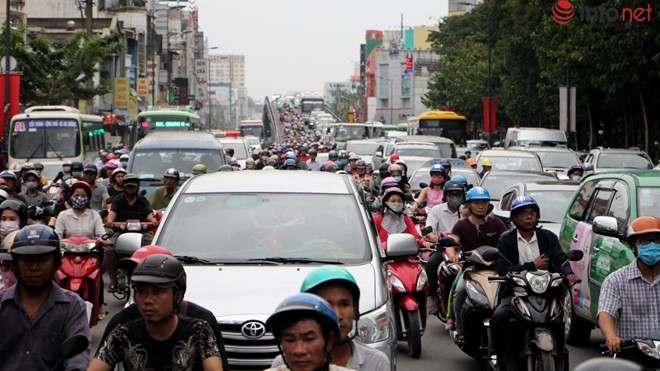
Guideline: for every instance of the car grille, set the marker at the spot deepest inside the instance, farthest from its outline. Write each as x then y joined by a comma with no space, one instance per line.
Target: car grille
244,353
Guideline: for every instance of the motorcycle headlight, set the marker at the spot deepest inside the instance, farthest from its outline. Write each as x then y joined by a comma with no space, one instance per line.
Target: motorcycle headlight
538,283
421,281
134,227
648,350
374,327
396,283
74,248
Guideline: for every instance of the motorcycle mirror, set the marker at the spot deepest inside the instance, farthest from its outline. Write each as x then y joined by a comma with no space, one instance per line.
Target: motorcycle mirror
422,204
423,185
447,242
490,208
103,213
489,253
408,198
71,347
427,230
575,255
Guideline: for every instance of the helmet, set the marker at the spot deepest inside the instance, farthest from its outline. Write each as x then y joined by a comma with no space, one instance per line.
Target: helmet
27,166
524,201
576,167
118,171
312,151
36,240
477,193
3,195
389,182
394,167
453,185
7,174
226,168
302,306
290,162
437,168
264,153
394,157
140,254
110,156
445,163
333,154
160,270
233,162
83,185
353,156
90,168
77,166
290,155
15,167
112,164
33,173
331,167
641,225
470,161
343,155
131,178
17,206
250,160
486,162
201,168
171,173
331,274
392,191
460,179
361,164
38,166
125,156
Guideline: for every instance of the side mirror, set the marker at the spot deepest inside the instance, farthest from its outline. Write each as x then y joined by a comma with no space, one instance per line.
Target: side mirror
447,242
408,198
103,213
588,166
128,243
489,253
426,230
606,226
74,346
423,185
400,245
575,255
378,154
143,192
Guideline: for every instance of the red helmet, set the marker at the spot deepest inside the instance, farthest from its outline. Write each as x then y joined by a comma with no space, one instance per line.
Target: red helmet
394,157
111,156
643,225
141,253
83,185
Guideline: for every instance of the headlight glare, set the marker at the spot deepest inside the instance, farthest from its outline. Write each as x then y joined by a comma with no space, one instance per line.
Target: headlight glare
374,326
538,283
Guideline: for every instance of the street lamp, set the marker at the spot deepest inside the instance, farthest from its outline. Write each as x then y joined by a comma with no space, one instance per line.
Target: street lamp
391,98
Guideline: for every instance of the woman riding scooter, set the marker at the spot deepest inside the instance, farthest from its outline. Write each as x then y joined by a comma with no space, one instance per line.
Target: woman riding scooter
433,193
392,219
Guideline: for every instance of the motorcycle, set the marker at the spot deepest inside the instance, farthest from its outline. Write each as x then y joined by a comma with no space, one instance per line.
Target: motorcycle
136,230
408,284
539,314
480,303
644,352
80,271
447,272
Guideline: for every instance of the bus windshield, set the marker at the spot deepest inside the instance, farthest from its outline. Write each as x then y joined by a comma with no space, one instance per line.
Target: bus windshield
254,130
448,128
344,132
154,121
309,105
45,138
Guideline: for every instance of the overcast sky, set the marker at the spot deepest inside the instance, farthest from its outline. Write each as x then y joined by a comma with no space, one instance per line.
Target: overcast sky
297,45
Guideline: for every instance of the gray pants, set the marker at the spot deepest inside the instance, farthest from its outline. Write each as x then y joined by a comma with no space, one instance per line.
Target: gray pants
460,294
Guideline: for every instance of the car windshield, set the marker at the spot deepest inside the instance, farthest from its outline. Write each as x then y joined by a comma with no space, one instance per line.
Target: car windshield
362,148
152,163
496,183
509,163
623,161
427,151
246,226
558,159
648,199
553,204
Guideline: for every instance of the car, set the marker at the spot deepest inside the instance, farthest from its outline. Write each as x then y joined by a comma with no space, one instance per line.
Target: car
552,196
159,151
363,148
383,152
496,182
241,148
510,160
596,222
534,136
555,160
446,146
247,242
609,159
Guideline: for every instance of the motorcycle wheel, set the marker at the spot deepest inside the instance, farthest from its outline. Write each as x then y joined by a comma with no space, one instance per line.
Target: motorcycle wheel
414,335
541,361
576,330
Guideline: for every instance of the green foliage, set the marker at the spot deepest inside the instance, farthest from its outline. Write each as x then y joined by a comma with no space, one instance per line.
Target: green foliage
56,72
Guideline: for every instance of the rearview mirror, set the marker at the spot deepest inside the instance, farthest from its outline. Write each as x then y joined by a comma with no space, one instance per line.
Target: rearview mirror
128,243
588,166
401,244
423,185
426,230
606,226
378,154
73,346
489,253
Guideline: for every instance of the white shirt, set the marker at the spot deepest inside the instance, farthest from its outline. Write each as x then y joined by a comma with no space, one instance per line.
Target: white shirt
527,251
441,219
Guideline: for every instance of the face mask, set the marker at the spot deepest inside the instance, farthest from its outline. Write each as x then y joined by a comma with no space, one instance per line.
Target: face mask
649,254
397,178
31,186
76,174
576,178
395,207
124,164
66,169
8,227
344,162
454,202
79,202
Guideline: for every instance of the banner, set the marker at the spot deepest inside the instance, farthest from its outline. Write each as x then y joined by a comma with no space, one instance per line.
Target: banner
122,92
133,106
201,80
142,87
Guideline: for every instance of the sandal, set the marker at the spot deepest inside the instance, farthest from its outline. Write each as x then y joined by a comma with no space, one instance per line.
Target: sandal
459,339
103,315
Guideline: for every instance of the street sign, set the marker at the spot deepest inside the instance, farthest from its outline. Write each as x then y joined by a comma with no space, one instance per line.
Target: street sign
142,87
12,64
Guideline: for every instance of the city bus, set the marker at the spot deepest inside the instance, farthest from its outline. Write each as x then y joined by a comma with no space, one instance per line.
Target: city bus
311,103
164,119
54,134
446,124
342,132
252,128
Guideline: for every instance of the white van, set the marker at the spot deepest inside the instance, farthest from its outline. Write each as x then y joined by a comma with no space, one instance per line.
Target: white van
534,136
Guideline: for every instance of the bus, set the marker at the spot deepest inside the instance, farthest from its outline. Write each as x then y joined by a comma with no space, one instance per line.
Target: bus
446,124
342,132
164,119
54,134
252,128
311,103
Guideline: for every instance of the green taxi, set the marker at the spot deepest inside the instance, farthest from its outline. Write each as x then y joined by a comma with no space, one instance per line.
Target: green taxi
596,223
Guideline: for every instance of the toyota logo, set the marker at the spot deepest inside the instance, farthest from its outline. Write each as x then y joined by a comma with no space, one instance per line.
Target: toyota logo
253,329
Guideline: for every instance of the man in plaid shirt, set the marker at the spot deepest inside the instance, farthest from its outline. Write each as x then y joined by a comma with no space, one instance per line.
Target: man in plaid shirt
630,297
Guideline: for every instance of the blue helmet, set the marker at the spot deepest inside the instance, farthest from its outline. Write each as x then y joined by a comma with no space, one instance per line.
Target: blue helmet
477,193
437,168
522,202
290,155
460,179
290,162
445,163
301,306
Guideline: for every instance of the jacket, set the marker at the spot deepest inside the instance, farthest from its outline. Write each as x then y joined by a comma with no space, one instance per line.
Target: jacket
507,244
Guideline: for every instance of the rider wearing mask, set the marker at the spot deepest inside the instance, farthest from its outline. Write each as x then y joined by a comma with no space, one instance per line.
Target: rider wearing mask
362,178
575,173
433,194
338,287
64,174
392,219
625,306
250,164
33,193
162,195
527,247
77,170
123,161
396,172
13,216
109,168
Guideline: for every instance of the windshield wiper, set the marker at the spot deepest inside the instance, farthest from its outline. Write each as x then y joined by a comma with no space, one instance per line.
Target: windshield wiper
34,152
54,150
282,260
192,259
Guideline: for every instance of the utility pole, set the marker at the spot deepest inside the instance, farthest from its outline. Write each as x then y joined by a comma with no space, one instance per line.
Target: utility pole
89,32
7,67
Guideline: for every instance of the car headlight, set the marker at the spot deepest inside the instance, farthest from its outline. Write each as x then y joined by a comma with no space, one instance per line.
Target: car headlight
396,283
374,326
421,281
538,283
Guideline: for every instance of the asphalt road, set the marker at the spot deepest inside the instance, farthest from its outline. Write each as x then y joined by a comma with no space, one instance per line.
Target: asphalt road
438,349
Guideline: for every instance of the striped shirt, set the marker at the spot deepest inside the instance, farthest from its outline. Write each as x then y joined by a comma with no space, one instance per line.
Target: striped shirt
633,301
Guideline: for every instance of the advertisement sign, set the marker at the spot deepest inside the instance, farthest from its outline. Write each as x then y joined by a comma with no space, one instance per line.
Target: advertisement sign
142,87
201,80
122,92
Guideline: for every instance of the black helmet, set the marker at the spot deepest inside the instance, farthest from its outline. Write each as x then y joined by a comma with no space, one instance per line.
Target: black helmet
171,173
160,270
332,168
332,155
90,168
575,167
343,155
453,185
131,178
383,170
361,164
77,166
19,207
36,240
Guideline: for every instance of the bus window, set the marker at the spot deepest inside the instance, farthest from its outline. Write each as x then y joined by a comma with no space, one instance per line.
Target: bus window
44,138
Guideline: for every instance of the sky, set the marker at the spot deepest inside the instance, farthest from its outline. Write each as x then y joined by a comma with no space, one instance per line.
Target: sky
297,45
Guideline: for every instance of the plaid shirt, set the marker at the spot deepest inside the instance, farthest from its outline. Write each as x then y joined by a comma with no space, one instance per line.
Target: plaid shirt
632,301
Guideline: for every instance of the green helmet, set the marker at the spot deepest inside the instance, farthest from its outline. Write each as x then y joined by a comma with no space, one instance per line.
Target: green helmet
199,169
331,274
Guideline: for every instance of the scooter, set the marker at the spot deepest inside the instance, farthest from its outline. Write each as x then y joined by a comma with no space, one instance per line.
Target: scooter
480,303
122,291
539,316
80,271
408,284
644,352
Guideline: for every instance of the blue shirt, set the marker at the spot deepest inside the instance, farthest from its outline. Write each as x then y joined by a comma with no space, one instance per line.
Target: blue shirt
34,346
